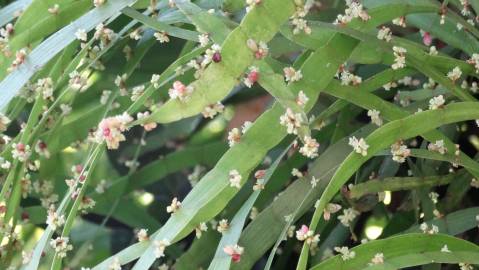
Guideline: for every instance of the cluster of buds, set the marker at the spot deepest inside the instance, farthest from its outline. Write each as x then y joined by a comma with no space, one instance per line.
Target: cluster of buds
234,251
307,235
180,91
44,87
21,151
20,57
174,206
251,77
212,110
149,126
61,246
348,78
310,147
260,49
259,176
160,246
111,130
77,82
162,37
360,146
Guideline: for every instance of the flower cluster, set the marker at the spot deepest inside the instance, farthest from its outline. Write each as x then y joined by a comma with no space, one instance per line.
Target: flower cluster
174,206
354,9
455,74
159,247
111,130
61,246
234,251
235,179
474,60
438,146
292,75
310,147
162,37
21,151
212,110
330,208
251,77
349,214
360,146
298,19
307,235
375,118
436,102
260,49
302,99
292,121
399,57
180,91
400,152
348,78
384,34
346,254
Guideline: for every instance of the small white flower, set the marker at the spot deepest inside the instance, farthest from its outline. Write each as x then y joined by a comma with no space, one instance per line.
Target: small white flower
291,75
4,122
202,227
433,50
160,246
401,21
292,121
330,208
81,34
21,151
307,235
349,214
204,40
474,183
455,74
400,57
174,206
234,137
400,152
302,99
98,3
445,249
347,78
115,264
246,125
438,146
377,259
53,219
212,110
384,34
155,79
295,172
223,226
142,235
314,182
436,102
235,179
360,146
61,246
162,37
310,147
375,118
346,254
180,91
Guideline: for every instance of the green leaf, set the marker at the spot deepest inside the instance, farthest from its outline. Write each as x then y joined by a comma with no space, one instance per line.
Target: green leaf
406,251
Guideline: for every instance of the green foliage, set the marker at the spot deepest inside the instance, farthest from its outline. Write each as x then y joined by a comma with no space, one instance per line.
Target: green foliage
339,115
